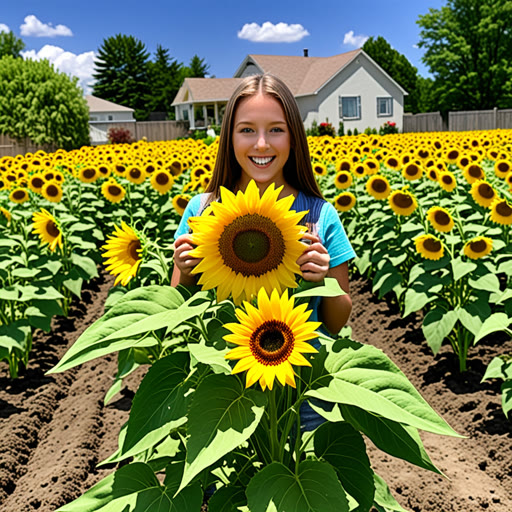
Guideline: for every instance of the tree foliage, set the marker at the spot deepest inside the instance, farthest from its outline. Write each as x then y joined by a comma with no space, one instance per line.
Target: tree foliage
10,45
121,73
398,68
197,68
38,102
468,44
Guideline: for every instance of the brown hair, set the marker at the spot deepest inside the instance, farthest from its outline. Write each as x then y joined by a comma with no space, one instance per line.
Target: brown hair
297,170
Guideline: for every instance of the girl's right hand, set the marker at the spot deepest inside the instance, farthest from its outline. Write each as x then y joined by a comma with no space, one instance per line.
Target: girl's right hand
183,261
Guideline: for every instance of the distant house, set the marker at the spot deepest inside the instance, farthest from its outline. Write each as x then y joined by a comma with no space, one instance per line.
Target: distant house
102,114
350,87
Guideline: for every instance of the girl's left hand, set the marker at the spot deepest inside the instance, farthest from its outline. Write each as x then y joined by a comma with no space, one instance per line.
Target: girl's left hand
314,261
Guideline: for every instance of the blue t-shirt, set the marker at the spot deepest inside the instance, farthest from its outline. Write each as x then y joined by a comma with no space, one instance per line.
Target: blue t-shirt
322,215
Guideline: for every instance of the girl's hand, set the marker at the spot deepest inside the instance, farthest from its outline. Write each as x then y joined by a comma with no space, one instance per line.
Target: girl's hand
314,261
182,259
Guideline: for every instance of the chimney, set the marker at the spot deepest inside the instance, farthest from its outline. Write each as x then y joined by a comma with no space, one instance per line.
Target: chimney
305,52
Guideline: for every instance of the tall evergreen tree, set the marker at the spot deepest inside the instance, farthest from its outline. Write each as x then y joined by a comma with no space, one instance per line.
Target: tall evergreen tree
398,68
10,45
164,81
197,68
121,73
468,48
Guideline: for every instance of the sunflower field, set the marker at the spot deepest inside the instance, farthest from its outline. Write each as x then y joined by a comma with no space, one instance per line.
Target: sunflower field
429,217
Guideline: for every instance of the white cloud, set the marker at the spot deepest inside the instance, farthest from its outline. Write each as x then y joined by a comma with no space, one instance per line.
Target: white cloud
270,33
81,66
4,28
353,40
35,28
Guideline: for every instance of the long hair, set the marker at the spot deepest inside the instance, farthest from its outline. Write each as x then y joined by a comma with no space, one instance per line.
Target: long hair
297,170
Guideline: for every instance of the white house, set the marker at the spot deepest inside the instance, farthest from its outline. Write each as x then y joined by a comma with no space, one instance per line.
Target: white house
102,113
350,87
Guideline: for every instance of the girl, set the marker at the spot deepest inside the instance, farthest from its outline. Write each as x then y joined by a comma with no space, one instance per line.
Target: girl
263,139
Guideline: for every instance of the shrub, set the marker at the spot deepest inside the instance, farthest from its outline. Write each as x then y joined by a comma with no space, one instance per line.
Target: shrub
356,131
349,132
119,136
388,127
327,129
341,130
313,131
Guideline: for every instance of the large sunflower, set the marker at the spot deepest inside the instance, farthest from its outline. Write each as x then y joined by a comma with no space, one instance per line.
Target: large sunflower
52,191
483,193
473,172
113,191
123,252
412,171
271,338
501,212
447,181
378,187
162,181
402,202
345,201
247,242
48,229
478,247
429,246
343,180
440,219
502,167
19,195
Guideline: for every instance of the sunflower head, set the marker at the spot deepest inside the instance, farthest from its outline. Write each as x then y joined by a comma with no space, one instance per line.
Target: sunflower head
447,181
162,181
483,193
402,202
319,168
345,201
378,187
52,192
412,171
502,167
478,247
113,191
343,180
501,212
123,253
270,338
48,229
88,174
19,195
429,246
440,219
247,242
180,202
473,172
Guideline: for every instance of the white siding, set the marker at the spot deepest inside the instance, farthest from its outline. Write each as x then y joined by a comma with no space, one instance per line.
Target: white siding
360,78
112,117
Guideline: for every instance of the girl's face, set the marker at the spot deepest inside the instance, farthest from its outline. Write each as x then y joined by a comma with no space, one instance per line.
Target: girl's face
261,140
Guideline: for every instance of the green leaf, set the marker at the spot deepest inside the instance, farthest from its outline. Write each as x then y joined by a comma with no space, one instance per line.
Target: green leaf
132,307
135,488
14,336
41,312
416,298
25,273
461,268
506,397
473,314
329,288
315,488
227,499
38,291
364,376
73,282
223,414
86,264
384,498
437,325
389,436
488,282
343,447
498,368
159,405
126,364
495,323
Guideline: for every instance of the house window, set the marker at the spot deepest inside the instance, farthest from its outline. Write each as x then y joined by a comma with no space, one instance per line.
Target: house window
185,114
110,118
384,107
350,107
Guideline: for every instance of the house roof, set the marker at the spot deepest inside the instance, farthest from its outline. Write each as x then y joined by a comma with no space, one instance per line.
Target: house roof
98,105
206,89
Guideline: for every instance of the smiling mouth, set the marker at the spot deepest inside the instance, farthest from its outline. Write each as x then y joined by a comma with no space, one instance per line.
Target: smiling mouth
261,160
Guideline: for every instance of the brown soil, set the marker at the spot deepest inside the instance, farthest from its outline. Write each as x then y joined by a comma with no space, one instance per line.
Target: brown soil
54,429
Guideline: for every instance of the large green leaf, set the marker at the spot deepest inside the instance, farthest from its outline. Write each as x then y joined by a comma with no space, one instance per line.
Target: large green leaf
389,436
135,488
364,376
14,336
329,288
384,500
315,488
506,396
343,447
461,268
499,368
159,405
223,414
495,323
41,312
132,307
227,499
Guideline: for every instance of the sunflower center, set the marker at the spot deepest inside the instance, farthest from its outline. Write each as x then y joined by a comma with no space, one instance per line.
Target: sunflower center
504,209
272,343
252,245
175,168
393,162
475,171
486,191
379,185
403,200
503,167
478,246
432,174
18,194
182,202
447,179
345,166
133,248
432,245
52,191
89,173
452,155
52,229
442,218
135,174
37,182
103,170
114,190
343,178
162,178
344,200
150,168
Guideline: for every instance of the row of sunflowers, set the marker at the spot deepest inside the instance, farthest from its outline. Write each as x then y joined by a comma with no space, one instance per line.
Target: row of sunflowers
428,214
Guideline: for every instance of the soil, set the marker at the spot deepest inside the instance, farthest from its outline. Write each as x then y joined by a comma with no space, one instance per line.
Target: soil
55,429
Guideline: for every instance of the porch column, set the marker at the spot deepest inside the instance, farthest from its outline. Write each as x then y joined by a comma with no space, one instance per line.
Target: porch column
216,110
192,117
205,115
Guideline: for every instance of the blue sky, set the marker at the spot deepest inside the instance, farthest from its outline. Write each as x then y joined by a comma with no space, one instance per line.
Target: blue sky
223,33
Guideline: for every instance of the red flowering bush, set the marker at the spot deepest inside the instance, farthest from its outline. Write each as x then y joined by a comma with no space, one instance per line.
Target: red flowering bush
326,129
119,136
388,127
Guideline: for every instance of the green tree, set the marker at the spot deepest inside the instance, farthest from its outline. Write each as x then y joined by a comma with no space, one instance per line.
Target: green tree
468,44
38,102
398,68
121,73
10,45
165,80
197,68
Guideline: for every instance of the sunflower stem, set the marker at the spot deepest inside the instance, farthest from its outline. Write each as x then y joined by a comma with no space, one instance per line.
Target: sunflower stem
274,439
